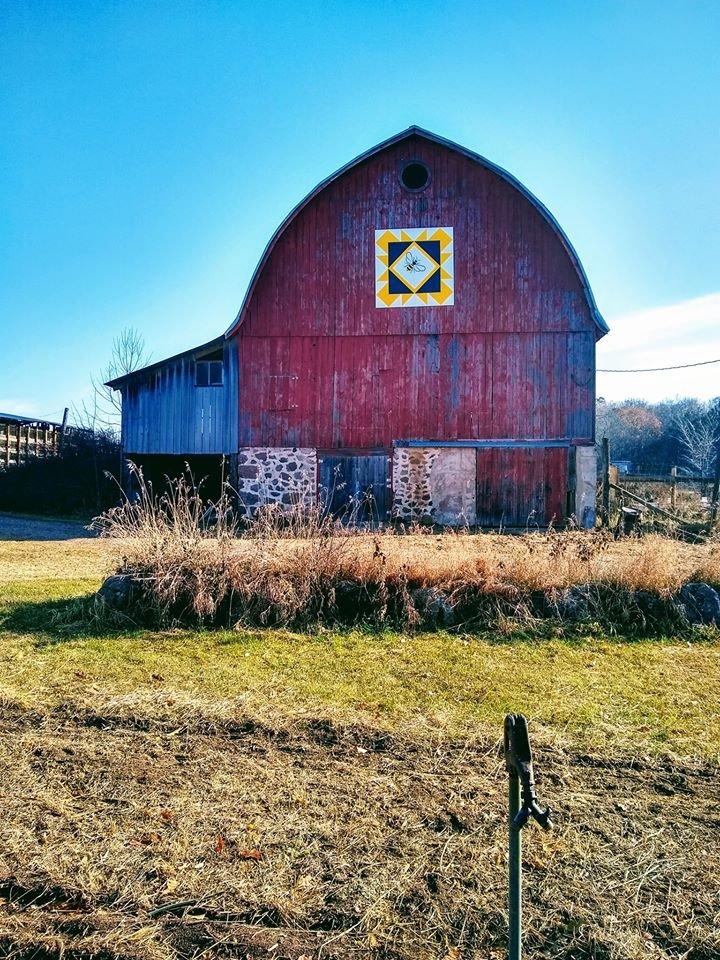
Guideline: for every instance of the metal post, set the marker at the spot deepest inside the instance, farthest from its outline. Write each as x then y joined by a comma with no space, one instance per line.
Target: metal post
673,487
715,491
515,870
63,429
522,806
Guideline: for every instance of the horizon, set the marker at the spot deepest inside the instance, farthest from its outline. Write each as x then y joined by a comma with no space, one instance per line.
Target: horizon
147,165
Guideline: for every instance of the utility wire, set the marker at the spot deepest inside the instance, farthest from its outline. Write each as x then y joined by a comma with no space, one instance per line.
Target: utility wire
679,366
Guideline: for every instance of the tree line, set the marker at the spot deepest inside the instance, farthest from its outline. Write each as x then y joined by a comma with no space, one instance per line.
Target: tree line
655,437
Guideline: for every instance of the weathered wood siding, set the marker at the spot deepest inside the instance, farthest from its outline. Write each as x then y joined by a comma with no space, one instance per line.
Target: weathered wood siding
321,366
164,412
355,488
522,485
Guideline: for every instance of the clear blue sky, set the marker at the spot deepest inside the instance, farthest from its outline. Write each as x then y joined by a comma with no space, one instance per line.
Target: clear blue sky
148,150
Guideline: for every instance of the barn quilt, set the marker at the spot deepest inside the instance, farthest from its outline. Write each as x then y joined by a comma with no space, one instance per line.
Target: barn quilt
414,267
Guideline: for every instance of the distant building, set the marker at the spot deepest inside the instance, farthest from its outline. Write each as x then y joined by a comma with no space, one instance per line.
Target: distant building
419,329
25,438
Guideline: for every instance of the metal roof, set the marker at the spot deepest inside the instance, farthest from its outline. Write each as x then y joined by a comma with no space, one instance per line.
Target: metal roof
16,418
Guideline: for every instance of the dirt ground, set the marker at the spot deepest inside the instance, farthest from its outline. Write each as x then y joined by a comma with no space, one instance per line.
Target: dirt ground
205,801
148,829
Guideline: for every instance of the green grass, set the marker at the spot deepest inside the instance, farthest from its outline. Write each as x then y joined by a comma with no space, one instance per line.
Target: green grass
118,745
648,695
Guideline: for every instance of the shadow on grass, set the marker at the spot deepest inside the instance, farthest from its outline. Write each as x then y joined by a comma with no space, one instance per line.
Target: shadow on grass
51,622
71,618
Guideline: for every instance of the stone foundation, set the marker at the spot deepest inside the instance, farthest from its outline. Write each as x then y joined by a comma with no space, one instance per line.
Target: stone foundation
412,497
286,476
430,484
434,484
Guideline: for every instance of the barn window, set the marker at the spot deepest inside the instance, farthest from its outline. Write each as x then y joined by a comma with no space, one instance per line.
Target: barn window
209,371
415,176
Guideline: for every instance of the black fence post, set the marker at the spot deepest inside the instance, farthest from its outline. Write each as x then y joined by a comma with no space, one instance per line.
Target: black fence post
522,805
715,490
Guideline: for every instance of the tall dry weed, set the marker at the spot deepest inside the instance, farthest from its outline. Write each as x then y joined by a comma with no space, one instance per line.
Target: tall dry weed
178,546
194,559
709,567
653,563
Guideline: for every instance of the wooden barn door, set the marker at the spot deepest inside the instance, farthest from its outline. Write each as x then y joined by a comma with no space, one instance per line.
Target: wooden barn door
521,486
355,488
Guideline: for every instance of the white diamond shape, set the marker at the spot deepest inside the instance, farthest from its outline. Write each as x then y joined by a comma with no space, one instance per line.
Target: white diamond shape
414,267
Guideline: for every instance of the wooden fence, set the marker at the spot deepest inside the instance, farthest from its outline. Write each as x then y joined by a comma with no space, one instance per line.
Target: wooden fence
611,480
21,442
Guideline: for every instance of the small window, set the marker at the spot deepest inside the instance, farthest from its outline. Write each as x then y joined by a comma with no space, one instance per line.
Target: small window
208,373
415,176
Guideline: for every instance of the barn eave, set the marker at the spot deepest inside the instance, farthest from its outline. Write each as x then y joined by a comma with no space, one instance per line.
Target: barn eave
196,352
602,327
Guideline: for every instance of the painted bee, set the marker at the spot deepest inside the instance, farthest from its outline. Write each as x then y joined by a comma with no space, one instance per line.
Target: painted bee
412,263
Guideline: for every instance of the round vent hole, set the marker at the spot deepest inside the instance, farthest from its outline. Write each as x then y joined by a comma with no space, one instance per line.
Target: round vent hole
415,176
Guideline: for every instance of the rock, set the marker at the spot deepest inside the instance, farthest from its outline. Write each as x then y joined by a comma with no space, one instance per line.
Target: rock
651,606
247,472
433,606
118,591
700,604
573,603
349,600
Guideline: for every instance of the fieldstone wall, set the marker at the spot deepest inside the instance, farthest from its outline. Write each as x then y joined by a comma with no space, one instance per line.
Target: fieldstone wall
412,496
282,475
435,484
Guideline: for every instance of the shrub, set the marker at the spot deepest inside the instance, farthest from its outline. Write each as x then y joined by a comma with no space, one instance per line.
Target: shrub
79,480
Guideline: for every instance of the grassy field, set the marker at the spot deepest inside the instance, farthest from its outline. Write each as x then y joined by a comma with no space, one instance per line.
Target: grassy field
341,794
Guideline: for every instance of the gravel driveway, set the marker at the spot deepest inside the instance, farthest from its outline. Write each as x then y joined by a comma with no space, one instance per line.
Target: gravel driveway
15,526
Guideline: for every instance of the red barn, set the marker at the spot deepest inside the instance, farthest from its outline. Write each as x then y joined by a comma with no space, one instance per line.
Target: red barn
417,341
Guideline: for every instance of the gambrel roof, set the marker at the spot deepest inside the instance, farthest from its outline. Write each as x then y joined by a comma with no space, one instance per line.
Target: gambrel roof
415,131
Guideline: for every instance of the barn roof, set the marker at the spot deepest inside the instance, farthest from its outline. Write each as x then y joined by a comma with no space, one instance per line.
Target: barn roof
415,131
16,418
141,371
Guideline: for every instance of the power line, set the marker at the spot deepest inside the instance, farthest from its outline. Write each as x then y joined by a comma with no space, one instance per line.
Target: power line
679,366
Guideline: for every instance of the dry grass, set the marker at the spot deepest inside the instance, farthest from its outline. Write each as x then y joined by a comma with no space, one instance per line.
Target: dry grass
29,561
691,499
255,838
296,569
341,795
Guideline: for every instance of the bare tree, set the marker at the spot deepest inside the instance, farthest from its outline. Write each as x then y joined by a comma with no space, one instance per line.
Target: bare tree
102,412
697,428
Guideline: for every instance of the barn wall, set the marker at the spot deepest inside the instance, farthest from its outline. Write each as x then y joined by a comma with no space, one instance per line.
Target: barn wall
522,486
368,391
164,412
322,366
